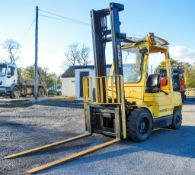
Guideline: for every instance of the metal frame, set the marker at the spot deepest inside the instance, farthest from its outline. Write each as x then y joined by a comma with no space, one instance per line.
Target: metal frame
101,35
112,101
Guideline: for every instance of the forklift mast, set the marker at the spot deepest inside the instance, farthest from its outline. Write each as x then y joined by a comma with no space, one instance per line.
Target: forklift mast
101,35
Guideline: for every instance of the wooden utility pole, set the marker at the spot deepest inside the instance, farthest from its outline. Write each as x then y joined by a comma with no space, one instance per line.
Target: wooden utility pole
36,56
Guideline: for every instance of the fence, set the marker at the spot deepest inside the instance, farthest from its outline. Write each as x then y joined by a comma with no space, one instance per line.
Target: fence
190,92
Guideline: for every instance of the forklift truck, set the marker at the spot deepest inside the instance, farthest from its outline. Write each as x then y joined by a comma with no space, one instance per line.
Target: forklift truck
115,105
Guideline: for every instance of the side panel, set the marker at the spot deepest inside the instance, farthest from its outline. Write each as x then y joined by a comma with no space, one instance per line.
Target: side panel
134,94
162,103
177,100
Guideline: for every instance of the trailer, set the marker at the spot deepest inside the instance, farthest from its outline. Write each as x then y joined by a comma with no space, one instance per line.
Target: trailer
13,85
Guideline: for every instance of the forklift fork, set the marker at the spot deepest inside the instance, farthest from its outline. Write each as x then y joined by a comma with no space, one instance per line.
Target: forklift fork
44,147
72,156
62,160
75,155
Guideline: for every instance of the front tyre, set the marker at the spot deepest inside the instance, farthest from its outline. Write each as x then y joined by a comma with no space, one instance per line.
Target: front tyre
15,94
139,125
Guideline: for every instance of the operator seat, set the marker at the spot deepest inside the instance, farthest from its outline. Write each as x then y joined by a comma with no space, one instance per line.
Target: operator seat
153,83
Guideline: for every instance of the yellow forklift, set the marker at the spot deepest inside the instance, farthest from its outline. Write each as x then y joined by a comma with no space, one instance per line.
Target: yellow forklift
129,102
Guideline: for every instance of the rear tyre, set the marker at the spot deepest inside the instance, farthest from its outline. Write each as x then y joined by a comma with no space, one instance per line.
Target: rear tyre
177,119
139,125
15,94
23,92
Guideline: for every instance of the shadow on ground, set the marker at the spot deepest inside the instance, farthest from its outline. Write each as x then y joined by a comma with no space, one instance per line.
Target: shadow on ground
189,101
62,103
55,103
163,141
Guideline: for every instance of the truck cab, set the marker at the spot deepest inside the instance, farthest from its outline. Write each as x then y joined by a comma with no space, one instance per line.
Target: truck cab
8,78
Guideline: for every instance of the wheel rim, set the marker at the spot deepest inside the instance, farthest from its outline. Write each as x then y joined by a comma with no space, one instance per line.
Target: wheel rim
143,126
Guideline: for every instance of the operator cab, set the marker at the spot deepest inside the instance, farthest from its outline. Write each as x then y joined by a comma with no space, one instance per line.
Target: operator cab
143,83
7,70
8,77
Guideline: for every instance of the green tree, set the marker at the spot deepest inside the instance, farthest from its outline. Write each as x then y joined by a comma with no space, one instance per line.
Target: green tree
189,75
172,61
189,71
44,75
59,81
51,79
28,72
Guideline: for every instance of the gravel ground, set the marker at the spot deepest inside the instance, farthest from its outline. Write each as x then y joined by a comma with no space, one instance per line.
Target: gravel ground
166,152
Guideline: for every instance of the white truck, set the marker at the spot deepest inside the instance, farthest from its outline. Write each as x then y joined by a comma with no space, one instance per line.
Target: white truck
14,86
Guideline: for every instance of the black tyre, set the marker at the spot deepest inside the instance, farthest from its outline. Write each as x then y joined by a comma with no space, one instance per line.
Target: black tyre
23,95
41,92
23,92
139,125
15,94
177,119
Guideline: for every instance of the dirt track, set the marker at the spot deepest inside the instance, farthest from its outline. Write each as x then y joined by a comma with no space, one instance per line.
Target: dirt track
166,152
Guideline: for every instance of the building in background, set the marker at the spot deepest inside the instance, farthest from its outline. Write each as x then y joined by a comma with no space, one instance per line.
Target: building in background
68,82
72,80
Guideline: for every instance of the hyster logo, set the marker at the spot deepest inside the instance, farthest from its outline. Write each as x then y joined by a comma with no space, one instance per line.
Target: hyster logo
165,110
119,55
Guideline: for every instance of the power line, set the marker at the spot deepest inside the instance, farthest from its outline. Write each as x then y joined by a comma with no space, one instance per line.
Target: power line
64,17
55,16
59,19
28,29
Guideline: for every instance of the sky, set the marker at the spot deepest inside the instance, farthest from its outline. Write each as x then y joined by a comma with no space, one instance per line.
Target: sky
172,20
